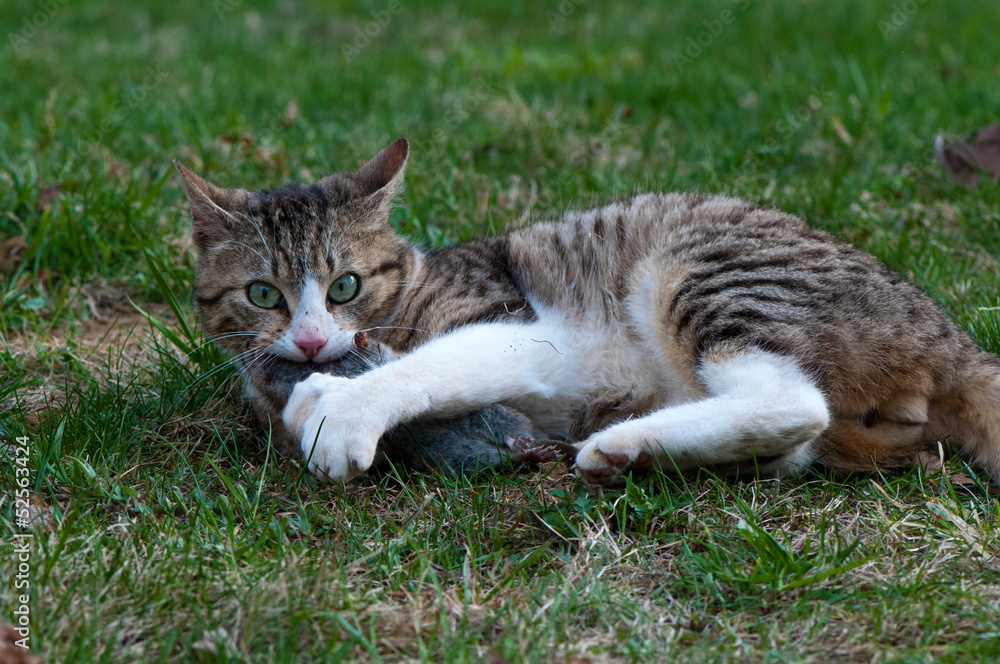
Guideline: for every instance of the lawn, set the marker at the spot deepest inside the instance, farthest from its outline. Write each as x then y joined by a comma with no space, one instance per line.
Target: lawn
162,528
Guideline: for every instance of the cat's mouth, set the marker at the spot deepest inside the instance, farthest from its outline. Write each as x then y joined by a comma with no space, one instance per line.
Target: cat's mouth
281,375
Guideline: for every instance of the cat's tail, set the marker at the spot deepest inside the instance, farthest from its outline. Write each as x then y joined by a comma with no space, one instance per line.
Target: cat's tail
970,414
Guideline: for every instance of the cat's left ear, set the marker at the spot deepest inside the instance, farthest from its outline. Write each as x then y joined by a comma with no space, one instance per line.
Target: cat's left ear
382,177
212,208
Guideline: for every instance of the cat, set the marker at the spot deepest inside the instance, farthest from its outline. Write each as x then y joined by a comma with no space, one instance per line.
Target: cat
664,330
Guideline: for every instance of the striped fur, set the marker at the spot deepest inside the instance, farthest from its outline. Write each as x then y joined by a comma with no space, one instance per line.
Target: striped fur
662,312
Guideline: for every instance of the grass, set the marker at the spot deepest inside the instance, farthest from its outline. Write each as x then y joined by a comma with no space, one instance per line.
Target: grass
163,529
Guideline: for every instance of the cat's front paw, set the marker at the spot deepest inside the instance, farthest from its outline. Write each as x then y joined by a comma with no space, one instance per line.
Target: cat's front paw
606,457
338,437
303,401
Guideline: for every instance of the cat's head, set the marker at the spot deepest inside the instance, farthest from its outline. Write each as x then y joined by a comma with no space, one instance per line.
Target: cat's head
286,278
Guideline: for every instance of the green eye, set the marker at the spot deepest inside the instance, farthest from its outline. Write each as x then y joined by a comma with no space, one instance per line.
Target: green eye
343,289
264,295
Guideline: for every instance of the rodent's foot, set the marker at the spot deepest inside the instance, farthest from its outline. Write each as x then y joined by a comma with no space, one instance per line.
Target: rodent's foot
524,448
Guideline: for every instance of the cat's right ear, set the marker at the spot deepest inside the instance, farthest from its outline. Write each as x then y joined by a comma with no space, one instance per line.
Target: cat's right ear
382,177
212,207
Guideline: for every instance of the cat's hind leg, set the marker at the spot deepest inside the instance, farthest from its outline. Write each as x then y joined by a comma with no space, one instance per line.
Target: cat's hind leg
759,405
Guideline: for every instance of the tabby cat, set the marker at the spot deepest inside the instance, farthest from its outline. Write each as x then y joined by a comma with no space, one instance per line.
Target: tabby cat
488,437
663,330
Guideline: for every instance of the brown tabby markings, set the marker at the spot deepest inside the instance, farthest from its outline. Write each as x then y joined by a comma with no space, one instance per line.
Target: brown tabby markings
720,277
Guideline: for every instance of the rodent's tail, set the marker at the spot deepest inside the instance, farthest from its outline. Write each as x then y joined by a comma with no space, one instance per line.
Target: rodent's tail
970,414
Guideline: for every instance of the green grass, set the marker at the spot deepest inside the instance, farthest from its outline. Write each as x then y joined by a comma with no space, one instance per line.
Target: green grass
165,532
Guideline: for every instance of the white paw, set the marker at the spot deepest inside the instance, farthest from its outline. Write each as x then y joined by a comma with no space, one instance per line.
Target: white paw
608,455
302,402
337,431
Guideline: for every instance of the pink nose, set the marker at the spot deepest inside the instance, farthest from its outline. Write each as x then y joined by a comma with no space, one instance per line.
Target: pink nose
310,345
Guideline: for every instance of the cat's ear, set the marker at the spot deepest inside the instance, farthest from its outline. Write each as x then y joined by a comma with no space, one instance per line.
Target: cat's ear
383,175
212,208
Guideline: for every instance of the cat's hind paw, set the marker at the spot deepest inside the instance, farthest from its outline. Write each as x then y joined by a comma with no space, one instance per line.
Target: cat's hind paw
604,461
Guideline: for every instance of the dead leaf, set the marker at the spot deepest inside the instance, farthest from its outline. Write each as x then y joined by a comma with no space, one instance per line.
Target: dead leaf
968,161
930,462
961,479
12,252
47,195
10,653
